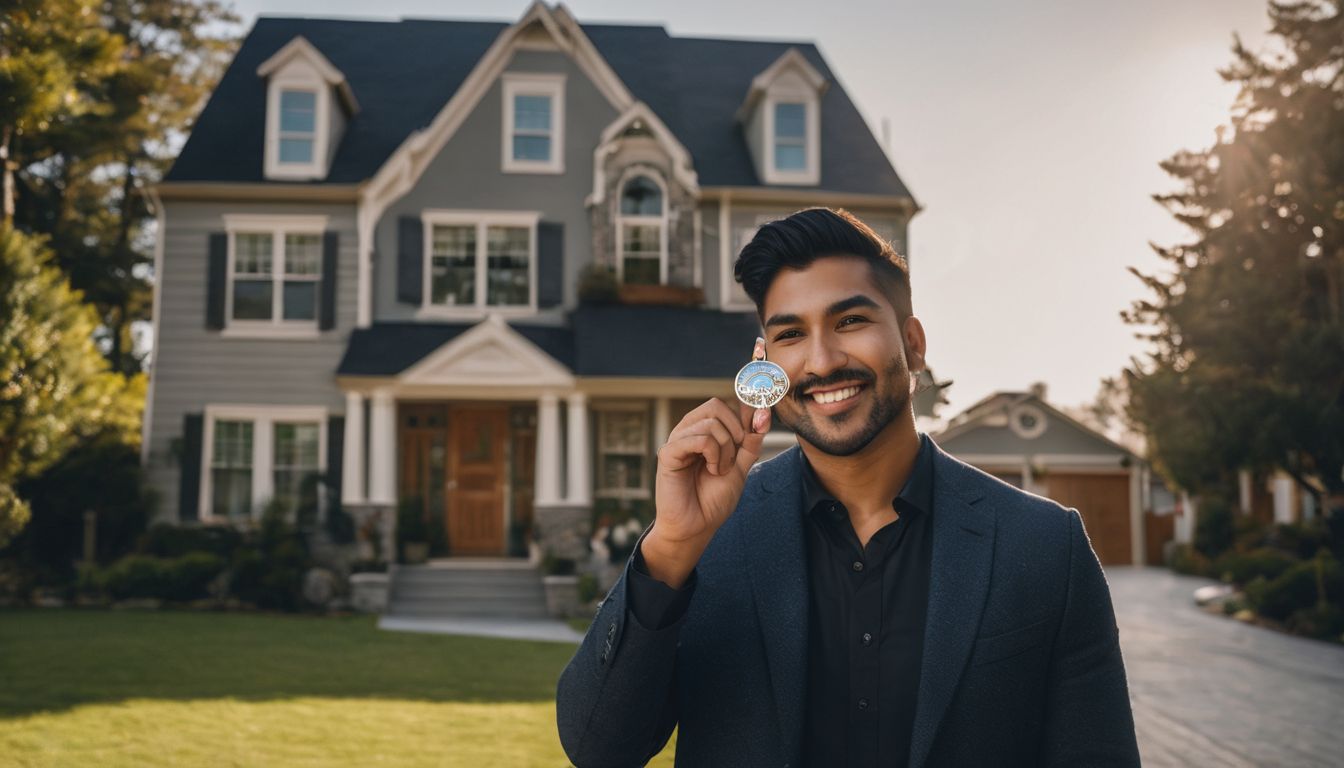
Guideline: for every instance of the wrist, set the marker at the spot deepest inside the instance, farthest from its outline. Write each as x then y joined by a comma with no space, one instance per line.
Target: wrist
669,562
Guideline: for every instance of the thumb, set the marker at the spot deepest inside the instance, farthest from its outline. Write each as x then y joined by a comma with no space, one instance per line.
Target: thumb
750,450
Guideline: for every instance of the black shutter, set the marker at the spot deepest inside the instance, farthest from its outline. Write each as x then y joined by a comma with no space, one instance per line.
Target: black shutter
327,311
189,487
550,263
410,259
335,457
216,277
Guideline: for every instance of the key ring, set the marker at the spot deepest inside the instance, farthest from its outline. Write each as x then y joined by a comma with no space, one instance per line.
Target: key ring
761,383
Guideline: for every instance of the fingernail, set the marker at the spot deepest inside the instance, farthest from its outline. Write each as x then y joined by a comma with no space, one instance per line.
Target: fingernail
758,352
759,419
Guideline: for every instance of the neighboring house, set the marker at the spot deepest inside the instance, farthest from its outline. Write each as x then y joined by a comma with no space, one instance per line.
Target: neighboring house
1025,441
372,249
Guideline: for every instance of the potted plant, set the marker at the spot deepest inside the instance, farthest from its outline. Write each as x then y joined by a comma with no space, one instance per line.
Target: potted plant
597,285
412,531
561,583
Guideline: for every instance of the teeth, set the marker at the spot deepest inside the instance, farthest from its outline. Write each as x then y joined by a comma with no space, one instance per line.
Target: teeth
836,395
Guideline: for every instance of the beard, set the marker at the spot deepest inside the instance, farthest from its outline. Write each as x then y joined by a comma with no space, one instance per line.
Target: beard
891,397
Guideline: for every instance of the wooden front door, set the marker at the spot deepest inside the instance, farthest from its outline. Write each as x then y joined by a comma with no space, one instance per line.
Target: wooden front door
476,479
1103,501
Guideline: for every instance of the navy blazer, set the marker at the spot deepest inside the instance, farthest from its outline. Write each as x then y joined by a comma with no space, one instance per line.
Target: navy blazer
1021,667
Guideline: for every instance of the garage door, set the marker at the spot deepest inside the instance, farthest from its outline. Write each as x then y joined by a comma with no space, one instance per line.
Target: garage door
1103,501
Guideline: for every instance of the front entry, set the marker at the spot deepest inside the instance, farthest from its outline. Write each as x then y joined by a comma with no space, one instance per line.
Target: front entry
476,479
468,469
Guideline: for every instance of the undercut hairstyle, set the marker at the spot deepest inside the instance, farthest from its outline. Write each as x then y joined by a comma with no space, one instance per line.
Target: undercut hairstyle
799,239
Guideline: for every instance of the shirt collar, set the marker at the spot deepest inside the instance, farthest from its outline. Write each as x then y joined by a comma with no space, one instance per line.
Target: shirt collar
917,494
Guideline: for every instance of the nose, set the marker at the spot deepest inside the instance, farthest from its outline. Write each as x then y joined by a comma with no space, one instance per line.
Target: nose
824,356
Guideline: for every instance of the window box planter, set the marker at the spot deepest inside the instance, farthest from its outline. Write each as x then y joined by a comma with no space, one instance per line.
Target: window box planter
661,295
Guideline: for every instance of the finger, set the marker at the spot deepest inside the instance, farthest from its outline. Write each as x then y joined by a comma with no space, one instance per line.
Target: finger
750,450
714,409
727,447
683,452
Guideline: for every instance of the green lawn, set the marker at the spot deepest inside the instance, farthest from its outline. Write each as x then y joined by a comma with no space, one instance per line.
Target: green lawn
113,688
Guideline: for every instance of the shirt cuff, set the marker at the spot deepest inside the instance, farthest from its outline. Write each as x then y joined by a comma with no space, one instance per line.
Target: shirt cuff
656,605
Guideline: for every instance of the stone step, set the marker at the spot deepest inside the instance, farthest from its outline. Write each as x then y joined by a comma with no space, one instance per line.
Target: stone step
463,577
452,591
483,610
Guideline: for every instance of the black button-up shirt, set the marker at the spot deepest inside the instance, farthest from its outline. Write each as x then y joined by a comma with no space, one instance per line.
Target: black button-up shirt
866,618
865,633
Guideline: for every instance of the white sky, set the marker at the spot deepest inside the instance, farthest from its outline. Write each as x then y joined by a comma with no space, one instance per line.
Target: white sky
1029,130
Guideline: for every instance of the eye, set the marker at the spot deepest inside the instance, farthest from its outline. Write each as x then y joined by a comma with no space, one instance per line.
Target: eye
846,319
789,334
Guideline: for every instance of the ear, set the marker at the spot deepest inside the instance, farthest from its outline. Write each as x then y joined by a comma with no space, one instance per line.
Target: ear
916,345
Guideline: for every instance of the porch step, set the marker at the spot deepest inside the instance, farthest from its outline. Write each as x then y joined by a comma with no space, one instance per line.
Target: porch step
491,588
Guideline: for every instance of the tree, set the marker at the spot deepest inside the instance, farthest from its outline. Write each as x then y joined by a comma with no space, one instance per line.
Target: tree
80,178
55,387
1246,364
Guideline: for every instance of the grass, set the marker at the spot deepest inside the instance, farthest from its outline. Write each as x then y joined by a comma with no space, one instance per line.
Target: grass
121,688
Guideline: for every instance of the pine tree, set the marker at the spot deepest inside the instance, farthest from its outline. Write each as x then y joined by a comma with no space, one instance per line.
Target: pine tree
1246,364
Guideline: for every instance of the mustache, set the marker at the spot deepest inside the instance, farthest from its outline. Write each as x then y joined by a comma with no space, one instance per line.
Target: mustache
862,376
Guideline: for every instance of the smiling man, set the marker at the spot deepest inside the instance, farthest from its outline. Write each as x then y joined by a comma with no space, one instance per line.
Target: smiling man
863,599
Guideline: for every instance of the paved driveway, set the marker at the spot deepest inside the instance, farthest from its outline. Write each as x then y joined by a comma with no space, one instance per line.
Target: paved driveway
1211,691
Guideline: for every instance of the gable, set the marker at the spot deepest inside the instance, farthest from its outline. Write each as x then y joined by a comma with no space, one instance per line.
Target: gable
993,435
491,354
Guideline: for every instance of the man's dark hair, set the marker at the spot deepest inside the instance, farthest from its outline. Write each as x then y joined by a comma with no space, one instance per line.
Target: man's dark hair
798,240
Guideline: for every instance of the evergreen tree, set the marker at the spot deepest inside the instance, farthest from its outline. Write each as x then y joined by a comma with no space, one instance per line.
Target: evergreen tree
1246,364
55,387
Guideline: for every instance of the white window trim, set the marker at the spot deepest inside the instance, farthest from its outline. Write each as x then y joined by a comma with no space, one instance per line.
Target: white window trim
735,248
481,220
263,418
600,410
278,226
317,169
810,175
534,84
660,221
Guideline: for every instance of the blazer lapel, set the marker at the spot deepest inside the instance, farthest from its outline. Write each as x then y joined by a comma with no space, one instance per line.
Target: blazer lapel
776,559
963,547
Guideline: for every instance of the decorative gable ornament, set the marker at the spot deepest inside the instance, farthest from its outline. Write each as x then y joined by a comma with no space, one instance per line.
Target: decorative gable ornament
491,354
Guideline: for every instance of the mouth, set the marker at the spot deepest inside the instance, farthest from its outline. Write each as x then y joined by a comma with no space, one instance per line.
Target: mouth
838,396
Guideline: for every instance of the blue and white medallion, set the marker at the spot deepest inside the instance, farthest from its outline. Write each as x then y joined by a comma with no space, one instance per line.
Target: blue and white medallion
761,384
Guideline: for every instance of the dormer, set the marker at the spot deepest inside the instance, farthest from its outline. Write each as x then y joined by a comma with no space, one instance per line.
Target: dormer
782,121
308,103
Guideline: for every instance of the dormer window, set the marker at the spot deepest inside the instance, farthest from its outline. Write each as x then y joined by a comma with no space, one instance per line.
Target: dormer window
782,120
298,126
308,103
642,231
534,123
790,136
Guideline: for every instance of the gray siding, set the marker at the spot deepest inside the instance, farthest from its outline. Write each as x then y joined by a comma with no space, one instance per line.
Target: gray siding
467,175
193,366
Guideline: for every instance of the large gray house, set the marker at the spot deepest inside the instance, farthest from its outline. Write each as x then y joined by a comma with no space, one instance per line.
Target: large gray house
381,255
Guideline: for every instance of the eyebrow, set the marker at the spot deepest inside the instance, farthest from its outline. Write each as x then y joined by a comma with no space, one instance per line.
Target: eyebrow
858,300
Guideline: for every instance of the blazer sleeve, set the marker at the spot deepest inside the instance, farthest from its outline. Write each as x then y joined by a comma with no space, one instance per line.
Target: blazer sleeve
616,701
1089,720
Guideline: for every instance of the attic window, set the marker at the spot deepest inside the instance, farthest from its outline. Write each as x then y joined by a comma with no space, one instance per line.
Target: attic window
298,126
534,123
790,136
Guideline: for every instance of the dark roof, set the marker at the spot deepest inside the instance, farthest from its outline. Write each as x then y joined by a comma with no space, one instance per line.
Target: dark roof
631,341
403,72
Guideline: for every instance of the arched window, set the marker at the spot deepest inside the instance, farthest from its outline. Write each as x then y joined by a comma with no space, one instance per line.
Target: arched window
642,232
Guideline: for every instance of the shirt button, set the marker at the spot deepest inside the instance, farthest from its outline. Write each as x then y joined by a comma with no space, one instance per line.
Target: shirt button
863,703
858,566
867,638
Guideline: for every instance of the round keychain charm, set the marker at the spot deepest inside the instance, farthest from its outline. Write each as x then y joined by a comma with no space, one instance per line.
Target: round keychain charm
761,383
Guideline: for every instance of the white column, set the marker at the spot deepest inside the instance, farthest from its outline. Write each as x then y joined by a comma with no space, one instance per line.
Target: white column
662,422
1185,524
548,450
1283,498
382,448
579,485
1028,479
352,456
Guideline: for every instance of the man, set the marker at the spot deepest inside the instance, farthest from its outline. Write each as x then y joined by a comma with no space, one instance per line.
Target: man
863,599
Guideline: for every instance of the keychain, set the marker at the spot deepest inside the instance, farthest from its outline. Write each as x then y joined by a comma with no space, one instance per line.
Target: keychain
761,383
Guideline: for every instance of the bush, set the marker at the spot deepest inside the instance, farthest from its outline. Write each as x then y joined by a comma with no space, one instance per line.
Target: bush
1188,560
188,577
268,571
136,576
558,566
587,588
164,540
1214,526
1241,567
1297,588
1322,621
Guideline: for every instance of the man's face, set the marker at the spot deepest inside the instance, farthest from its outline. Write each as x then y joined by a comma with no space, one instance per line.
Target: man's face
845,351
